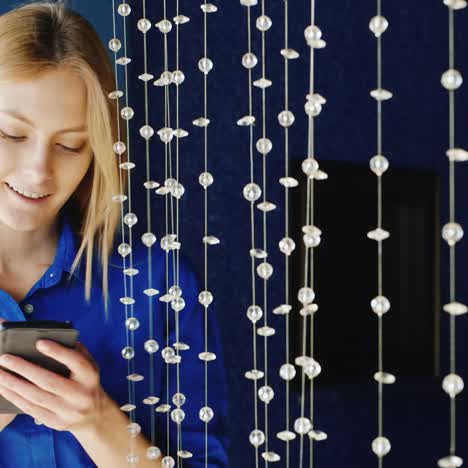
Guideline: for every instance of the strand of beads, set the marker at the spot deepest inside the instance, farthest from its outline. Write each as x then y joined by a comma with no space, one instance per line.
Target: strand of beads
287,245
312,238
151,346
264,269
205,65
380,304
252,192
130,219
452,232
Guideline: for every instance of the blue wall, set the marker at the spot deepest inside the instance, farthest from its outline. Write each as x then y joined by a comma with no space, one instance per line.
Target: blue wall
415,135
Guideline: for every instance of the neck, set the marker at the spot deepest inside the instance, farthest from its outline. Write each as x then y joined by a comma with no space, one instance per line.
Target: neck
30,247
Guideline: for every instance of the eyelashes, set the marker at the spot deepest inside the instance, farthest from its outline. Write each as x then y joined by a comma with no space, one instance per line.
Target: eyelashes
20,139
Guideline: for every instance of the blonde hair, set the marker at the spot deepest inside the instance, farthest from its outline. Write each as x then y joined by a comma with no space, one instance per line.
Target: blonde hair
40,36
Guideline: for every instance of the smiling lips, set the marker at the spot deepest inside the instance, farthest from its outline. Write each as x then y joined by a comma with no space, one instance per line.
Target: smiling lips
31,197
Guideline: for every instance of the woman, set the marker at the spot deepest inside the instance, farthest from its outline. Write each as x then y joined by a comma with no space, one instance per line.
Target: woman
59,174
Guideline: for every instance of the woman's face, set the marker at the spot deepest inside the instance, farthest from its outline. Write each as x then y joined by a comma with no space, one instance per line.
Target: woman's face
44,148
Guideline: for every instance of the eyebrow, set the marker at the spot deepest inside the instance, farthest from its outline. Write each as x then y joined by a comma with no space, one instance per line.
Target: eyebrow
24,119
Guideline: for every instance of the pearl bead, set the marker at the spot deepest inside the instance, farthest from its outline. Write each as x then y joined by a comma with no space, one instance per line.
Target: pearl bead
451,461
178,77
287,245
124,249
264,146
309,166
130,219
205,298
127,113
146,132
266,394
263,23
178,399
452,385
451,79
257,438
302,425
205,179
378,164
287,372
206,414
286,118
132,324
133,429
124,9
205,65
128,352
378,25
119,147
264,270
115,44
167,462
380,305
452,233
144,25
381,446
148,239
153,452
306,295
249,60
151,346
178,415
254,313
252,192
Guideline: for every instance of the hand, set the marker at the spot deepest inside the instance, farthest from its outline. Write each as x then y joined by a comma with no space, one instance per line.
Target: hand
58,402
5,419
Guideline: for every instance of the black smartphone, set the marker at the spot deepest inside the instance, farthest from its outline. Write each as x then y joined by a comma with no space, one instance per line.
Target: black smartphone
19,339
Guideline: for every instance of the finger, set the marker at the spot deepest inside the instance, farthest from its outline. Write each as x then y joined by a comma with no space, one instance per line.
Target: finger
82,348
42,378
37,412
82,370
29,391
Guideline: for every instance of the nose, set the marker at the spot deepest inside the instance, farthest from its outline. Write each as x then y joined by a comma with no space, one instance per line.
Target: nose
38,164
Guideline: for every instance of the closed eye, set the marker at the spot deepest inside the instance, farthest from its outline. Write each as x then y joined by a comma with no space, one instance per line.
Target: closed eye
18,139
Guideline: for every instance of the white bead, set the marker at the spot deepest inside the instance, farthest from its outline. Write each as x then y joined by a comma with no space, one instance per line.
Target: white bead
252,192
115,44
144,25
257,438
455,4
167,462
381,446
452,385
302,425
263,23
124,249
378,25
287,245
205,298
249,60
148,239
153,452
286,118
451,461
119,147
266,394
151,346
205,65
309,166
287,372
306,295
312,34
264,270
124,9
146,132
378,164
264,146
164,26
130,219
133,429
128,352
166,134
254,313
127,113
451,79
132,324
380,305
452,233
178,415
206,414
205,179
178,77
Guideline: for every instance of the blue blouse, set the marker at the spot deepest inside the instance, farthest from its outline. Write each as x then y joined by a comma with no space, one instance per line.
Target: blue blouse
24,444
